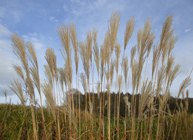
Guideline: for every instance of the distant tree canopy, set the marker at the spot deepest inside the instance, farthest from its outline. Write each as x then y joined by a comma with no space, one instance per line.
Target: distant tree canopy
173,104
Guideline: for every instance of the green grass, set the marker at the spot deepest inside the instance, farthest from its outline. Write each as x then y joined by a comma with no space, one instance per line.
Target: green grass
15,123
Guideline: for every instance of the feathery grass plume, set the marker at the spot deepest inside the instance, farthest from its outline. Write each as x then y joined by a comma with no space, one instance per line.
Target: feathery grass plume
160,79
64,33
34,69
62,78
133,51
75,45
117,53
174,73
167,40
30,89
94,37
128,31
109,44
89,47
102,63
85,59
145,39
107,75
113,29
146,93
65,37
169,66
186,82
32,55
20,51
155,60
107,50
96,51
51,60
171,44
125,67
36,80
19,71
68,73
134,69
76,58
48,74
145,43
139,38
16,87
48,92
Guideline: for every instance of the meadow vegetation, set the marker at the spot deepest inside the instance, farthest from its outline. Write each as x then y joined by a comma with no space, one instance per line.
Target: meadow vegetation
99,114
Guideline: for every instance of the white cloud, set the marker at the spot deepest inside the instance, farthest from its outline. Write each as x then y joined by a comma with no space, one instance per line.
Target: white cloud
36,39
78,7
4,32
53,19
188,30
12,10
7,60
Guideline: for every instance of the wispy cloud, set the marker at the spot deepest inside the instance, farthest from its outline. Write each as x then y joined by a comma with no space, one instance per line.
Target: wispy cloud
53,19
4,32
188,30
11,11
7,59
36,39
78,7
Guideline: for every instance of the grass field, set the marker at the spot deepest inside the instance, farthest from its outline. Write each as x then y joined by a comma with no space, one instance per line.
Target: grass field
106,64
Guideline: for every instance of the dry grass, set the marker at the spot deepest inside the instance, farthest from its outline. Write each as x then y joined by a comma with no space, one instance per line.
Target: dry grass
145,117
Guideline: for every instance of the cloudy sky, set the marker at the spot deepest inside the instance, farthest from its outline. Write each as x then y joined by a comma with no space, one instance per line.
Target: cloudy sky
38,21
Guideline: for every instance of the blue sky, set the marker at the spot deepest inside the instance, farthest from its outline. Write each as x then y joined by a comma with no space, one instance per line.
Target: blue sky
38,21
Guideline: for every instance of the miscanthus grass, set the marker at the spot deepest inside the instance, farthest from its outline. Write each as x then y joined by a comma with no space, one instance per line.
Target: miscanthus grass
100,69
